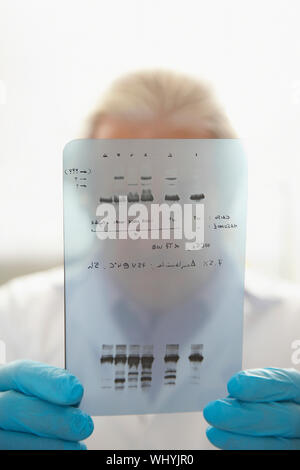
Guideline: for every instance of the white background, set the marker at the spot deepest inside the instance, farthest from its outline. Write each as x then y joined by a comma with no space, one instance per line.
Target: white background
58,56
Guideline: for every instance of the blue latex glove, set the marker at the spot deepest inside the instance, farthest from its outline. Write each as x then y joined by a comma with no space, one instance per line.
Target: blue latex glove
262,412
38,408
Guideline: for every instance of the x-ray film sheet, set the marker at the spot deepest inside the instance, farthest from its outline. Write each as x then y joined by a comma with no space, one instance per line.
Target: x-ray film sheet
153,322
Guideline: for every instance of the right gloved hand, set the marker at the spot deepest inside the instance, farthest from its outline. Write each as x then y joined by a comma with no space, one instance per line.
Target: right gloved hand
38,408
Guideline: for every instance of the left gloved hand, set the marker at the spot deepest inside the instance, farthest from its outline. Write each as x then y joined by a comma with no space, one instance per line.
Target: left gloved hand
262,412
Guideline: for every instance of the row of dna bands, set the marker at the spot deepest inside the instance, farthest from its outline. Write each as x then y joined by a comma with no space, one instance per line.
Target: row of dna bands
120,370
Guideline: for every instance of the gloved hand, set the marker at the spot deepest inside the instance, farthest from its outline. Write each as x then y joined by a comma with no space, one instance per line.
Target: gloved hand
262,412
37,408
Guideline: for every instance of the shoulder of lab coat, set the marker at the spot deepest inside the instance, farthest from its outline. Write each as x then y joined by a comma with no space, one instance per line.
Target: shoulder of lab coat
32,317
271,322
32,326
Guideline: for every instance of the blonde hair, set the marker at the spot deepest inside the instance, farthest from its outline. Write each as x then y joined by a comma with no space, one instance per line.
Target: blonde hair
147,94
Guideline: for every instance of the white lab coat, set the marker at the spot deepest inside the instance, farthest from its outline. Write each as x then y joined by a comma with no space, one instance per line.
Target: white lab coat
32,326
